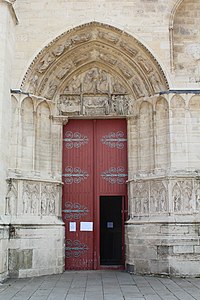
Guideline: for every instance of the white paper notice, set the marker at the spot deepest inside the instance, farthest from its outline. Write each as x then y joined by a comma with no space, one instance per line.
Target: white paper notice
86,226
72,226
109,224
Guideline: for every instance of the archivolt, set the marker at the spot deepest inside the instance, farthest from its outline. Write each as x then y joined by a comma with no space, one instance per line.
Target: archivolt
99,46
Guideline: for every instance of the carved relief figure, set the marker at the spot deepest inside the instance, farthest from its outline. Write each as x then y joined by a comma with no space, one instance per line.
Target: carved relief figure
163,200
125,71
117,87
30,197
102,82
145,64
81,58
137,87
158,197
70,104
45,62
52,200
145,201
130,50
64,71
108,37
90,81
112,104
26,198
81,38
154,79
107,58
11,198
197,198
155,207
33,84
176,194
34,199
74,86
187,196
138,204
44,201
48,199
59,50
51,90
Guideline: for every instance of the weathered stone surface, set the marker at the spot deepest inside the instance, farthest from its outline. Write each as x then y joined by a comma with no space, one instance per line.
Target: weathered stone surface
69,66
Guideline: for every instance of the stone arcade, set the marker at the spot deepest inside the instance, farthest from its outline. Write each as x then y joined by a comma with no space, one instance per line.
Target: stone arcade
139,61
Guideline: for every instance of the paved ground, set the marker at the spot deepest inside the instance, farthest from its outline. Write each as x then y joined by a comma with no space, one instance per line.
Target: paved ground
98,285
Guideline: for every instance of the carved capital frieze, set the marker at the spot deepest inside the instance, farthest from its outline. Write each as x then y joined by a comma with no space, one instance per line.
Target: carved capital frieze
60,120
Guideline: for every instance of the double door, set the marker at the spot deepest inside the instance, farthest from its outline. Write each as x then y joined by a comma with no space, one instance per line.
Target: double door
94,192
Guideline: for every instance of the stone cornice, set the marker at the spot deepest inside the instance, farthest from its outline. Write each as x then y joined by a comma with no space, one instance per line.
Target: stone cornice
11,9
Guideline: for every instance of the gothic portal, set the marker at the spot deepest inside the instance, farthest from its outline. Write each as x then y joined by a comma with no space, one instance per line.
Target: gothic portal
100,137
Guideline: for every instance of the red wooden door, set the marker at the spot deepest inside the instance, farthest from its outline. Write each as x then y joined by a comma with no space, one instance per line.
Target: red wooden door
94,165
111,167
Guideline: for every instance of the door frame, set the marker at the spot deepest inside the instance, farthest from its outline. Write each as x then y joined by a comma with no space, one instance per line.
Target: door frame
97,237
96,207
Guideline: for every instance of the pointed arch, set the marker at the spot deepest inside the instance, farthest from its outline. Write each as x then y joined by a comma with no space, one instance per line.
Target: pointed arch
162,133
185,40
43,138
146,137
89,46
27,136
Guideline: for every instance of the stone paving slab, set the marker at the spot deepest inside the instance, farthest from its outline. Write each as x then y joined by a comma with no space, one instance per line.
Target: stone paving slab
100,285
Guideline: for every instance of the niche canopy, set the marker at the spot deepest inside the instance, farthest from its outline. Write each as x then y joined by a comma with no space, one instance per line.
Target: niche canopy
94,59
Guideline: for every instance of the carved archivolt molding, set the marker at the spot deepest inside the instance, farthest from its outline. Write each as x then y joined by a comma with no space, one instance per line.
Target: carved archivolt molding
94,59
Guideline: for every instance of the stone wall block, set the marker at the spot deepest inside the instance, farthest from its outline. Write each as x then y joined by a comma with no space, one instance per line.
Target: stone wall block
183,249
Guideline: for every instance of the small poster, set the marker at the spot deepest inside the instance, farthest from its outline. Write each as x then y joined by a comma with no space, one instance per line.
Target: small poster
86,226
72,226
110,225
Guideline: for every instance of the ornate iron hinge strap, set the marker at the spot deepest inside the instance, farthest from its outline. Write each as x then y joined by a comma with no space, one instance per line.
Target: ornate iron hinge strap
114,140
74,175
75,140
75,248
115,175
74,211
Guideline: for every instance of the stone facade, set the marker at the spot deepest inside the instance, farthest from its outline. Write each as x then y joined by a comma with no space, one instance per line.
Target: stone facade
137,60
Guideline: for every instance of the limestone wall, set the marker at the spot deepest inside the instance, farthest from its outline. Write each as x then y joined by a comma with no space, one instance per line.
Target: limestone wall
6,59
186,40
40,23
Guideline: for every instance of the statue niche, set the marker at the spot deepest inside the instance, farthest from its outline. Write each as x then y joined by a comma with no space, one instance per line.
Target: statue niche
94,92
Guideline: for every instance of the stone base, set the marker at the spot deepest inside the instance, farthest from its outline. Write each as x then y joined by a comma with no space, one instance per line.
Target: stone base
4,236
163,248
36,250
